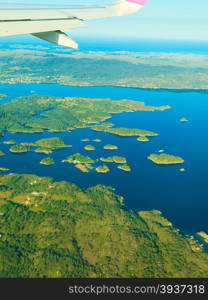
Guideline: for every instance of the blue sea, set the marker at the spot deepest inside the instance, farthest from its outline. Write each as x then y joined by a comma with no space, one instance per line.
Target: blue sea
181,196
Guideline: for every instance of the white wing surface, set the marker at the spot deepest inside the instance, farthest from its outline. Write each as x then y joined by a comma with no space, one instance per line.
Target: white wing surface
51,23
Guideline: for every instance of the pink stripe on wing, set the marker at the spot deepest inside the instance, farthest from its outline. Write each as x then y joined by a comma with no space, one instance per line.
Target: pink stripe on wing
140,2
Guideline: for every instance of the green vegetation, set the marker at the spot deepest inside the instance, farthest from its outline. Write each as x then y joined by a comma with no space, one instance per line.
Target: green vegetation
122,131
128,69
110,147
97,140
56,229
43,150
89,147
4,95
115,159
203,235
19,148
165,159
38,113
4,169
53,143
86,168
184,120
142,139
124,167
2,153
47,161
102,169
79,159
10,142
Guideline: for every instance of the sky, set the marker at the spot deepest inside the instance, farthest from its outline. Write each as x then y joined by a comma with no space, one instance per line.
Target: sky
159,19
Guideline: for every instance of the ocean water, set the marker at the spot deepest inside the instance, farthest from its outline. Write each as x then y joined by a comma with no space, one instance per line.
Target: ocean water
181,196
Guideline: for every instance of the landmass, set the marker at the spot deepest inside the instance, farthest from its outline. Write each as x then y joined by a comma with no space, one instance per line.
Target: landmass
97,140
85,140
4,169
122,131
165,159
10,142
47,161
102,169
124,69
38,113
184,120
19,148
86,168
55,229
43,150
79,159
110,147
115,159
203,235
89,147
142,139
124,167
53,143
2,153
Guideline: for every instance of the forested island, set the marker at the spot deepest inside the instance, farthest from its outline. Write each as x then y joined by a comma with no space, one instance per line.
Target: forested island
166,159
47,161
56,229
115,159
78,158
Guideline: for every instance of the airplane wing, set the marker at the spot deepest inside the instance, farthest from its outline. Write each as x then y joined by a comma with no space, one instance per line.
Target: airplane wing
51,23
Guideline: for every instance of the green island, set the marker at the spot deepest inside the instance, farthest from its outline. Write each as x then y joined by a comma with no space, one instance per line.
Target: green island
10,142
184,120
142,139
86,168
19,148
124,167
122,131
30,144
58,230
89,148
110,147
43,150
37,114
203,235
78,159
165,159
97,140
161,151
4,169
102,169
47,161
2,153
115,159
53,143
85,140
4,95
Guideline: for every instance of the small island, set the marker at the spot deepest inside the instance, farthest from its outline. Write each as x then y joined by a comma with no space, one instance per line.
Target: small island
102,169
79,159
97,140
4,95
124,167
184,120
110,147
182,170
43,150
4,169
142,139
30,144
165,159
10,142
47,161
115,159
203,235
18,148
89,148
86,168
2,153
53,143
161,151
85,140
